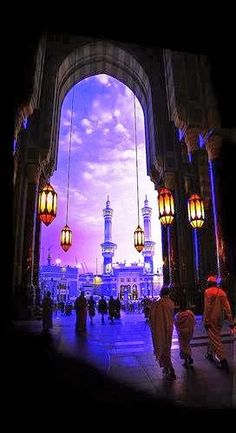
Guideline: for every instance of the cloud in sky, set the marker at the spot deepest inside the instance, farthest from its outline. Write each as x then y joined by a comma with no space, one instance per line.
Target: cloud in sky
103,78
102,163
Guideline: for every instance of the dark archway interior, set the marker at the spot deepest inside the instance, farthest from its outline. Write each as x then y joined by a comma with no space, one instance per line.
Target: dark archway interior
223,79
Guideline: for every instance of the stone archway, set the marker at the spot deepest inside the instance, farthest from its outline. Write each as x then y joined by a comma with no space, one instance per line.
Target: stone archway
156,77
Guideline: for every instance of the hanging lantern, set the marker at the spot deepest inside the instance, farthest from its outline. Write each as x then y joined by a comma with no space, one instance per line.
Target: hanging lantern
47,204
139,239
196,211
166,206
66,238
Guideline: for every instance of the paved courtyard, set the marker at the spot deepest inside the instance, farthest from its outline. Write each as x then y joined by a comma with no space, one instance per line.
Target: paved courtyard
123,352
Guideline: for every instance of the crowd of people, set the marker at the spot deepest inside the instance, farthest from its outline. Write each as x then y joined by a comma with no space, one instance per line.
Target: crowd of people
83,307
163,314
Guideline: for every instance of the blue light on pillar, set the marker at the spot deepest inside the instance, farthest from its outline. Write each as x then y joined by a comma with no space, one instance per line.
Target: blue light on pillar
166,216
213,195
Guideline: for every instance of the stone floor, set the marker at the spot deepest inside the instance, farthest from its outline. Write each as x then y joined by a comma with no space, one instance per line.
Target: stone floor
123,352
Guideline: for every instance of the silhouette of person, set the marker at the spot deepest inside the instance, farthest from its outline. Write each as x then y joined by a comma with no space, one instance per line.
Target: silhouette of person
47,305
91,308
102,307
81,312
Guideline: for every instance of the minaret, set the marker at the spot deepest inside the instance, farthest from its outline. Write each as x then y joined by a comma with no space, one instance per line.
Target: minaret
148,251
108,247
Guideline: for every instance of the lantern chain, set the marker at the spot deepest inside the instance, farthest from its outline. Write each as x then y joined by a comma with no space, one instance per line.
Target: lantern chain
69,151
136,157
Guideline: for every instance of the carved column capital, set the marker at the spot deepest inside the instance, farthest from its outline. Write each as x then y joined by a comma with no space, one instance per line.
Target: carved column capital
156,175
23,113
228,134
170,180
33,173
47,168
213,147
191,139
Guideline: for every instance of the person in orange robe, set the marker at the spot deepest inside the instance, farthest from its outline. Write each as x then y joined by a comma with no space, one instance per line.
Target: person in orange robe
161,323
184,324
216,309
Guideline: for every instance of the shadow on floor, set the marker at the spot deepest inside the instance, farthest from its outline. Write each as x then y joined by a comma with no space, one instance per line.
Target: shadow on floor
41,379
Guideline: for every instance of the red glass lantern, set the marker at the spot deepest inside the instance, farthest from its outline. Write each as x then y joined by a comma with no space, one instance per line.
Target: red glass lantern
139,239
166,206
196,211
47,204
66,238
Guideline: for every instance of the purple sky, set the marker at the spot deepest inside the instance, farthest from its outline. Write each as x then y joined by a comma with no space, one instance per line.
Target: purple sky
102,163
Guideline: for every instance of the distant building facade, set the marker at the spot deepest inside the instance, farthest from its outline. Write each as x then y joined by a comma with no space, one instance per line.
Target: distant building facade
128,282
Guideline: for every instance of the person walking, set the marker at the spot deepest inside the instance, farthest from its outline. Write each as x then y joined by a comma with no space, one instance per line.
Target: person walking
216,310
112,309
81,312
102,307
47,312
161,323
91,308
184,323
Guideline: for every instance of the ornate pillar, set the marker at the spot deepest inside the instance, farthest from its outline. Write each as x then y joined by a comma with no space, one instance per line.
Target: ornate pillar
164,243
20,192
37,242
171,235
213,146
157,177
29,239
202,239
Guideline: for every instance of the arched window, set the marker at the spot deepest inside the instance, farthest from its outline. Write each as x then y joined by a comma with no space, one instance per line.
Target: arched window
134,292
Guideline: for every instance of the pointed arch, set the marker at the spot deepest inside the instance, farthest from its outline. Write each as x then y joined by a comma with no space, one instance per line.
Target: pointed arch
103,57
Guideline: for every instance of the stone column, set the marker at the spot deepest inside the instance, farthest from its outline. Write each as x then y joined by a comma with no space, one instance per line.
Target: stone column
202,239
36,265
164,242
171,235
38,227
28,291
191,140
213,146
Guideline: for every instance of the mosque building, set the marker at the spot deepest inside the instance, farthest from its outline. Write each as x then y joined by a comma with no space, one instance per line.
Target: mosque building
128,282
